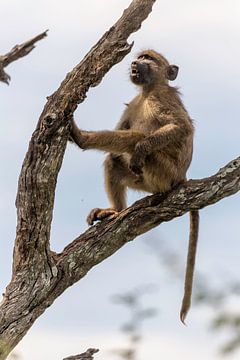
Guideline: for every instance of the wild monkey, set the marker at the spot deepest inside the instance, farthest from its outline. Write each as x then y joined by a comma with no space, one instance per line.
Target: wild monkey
151,148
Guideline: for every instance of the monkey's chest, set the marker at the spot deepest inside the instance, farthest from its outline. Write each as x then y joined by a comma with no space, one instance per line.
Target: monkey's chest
147,125
146,118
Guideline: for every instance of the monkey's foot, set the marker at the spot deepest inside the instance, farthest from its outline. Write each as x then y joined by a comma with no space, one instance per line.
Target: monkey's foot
100,214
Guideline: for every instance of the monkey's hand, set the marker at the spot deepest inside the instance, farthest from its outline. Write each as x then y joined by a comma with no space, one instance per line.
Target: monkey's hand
78,136
137,162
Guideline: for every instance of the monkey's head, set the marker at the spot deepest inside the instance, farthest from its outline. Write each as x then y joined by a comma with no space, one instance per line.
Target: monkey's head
151,68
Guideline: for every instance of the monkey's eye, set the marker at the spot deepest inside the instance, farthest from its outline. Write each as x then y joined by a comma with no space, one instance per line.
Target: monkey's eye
145,56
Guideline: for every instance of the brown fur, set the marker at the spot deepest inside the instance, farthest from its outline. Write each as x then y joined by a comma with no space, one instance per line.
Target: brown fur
151,148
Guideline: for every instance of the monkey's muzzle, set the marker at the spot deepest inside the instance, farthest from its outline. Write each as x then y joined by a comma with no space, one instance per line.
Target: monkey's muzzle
138,71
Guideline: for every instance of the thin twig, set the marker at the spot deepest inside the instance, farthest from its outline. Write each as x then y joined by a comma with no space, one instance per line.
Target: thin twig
88,355
16,53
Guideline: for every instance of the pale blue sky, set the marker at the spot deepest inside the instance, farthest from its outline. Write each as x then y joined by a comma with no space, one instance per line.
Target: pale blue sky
202,37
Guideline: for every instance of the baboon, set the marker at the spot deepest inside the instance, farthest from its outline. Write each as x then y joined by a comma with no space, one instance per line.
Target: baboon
151,148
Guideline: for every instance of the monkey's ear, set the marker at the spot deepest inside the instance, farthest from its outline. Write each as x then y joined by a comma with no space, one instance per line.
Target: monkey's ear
172,71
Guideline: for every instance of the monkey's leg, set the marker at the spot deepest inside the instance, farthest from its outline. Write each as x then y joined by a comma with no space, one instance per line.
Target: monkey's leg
117,142
116,174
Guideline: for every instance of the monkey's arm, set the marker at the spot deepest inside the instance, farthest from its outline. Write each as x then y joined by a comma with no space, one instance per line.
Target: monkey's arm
118,141
159,139
152,143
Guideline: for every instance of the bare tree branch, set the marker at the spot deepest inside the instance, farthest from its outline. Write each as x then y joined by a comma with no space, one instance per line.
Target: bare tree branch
16,53
102,240
36,279
88,355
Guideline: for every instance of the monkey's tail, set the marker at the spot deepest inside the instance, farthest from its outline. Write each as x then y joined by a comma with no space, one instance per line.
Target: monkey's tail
192,248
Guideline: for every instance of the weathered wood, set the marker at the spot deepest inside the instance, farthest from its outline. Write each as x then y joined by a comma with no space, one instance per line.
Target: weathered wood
37,277
88,355
16,53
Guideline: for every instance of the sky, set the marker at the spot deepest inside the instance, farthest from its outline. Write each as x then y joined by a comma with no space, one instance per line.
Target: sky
202,38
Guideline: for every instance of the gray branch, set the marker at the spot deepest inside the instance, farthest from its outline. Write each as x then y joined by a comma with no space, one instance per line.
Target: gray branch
16,53
88,355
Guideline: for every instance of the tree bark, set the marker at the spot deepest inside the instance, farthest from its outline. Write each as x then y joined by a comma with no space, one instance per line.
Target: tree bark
40,275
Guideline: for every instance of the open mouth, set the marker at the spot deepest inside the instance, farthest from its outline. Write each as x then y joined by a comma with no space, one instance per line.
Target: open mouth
135,73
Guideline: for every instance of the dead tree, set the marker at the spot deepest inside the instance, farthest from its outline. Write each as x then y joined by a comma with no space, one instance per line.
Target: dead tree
39,275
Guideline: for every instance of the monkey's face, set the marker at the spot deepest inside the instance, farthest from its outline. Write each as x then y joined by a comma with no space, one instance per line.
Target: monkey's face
143,70
151,68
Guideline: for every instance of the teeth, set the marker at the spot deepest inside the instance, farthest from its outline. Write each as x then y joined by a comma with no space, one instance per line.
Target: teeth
135,73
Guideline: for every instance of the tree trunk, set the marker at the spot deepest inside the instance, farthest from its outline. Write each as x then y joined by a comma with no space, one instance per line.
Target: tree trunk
38,276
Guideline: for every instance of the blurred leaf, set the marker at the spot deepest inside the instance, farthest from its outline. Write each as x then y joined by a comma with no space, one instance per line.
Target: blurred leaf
226,320
235,288
126,299
129,327
136,338
147,313
231,346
